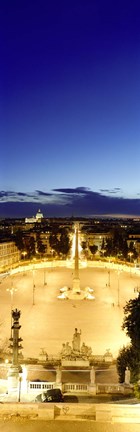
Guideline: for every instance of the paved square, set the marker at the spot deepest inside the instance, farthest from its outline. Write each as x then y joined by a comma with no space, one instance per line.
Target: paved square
49,321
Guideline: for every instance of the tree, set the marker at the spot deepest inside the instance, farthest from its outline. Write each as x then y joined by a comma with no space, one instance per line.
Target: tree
54,242
40,246
64,243
132,253
84,245
60,242
117,245
103,250
131,323
19,240
93,249
30,246
130,356
108,247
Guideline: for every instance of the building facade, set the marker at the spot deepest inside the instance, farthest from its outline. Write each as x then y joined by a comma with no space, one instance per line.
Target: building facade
9,255
34,219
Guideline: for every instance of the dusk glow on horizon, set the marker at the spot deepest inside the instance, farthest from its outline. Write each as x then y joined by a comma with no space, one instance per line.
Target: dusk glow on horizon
70,110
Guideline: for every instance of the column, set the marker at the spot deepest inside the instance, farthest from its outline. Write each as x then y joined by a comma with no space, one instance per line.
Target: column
76,279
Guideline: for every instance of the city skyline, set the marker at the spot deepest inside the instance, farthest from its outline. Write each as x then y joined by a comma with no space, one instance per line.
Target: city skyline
67,203
70,94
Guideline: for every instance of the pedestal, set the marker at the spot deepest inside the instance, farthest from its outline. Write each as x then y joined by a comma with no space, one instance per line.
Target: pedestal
76,285
24,382
13,379
92,389
58,375
58,383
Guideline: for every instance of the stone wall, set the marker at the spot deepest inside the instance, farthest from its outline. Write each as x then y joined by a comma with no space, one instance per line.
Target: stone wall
96,412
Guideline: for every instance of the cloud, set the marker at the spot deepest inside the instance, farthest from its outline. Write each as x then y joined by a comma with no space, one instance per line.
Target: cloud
111,191
4,194
22,194
40,193
11,196
75,191
65,202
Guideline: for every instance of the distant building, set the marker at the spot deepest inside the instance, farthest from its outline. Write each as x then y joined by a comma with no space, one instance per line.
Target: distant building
9,254
135,240
34,219
96,239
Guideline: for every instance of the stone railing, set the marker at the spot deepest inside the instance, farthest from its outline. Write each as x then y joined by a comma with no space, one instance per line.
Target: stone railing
39,387
110,388
35,387
75,387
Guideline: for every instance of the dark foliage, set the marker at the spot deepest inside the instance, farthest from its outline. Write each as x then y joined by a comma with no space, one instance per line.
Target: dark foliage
128,356
131,323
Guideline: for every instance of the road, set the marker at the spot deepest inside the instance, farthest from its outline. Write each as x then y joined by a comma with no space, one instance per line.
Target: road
65,426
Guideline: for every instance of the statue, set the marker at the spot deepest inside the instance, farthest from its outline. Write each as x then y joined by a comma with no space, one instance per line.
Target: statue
89,353
76,351
92,375
66,349
86,351
76,340
127,376
63,350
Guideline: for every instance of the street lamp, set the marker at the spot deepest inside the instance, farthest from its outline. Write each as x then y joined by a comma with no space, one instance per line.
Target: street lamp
45,273
19,385
118,288
130,255
109,272
24,253
103,251
33,289
137,290
11,290
109,278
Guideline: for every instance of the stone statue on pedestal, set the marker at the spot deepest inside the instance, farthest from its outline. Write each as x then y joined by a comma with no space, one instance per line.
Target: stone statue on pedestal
92,375
76,351
127,376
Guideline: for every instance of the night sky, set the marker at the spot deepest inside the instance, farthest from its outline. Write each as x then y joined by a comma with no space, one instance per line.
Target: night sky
69,107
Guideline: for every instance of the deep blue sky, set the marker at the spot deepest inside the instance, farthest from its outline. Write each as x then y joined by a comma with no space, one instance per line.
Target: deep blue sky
69,107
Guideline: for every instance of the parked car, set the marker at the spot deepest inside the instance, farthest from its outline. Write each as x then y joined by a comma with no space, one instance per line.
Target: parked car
52,395
38,380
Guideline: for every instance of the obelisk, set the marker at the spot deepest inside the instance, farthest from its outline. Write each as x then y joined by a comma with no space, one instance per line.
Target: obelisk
76,279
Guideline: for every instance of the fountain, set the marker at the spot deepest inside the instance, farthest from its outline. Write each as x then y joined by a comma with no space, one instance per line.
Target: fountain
75,354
